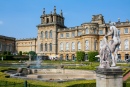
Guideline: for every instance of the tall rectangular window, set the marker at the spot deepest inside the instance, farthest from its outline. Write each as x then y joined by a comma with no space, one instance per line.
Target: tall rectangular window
100,32
61,35
126,30
73,34
67,35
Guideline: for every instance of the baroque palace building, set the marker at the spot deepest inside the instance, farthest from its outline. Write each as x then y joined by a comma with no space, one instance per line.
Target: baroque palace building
54,39
7,44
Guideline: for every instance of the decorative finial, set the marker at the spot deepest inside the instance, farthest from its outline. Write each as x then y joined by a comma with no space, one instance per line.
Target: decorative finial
118,19
61,13
44,11
54,9
127,20
51,12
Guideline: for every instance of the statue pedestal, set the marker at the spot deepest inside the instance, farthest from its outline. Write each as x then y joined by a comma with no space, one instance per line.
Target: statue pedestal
109,77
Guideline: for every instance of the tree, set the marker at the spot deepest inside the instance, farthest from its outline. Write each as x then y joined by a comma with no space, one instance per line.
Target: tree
20,53
91,56
32,53
80,55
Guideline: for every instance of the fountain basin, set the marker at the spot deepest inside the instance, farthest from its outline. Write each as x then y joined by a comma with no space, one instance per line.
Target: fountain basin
61,74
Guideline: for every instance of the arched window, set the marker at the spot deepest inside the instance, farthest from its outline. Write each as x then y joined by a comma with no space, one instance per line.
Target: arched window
73,46
61,46
67,57
87,31
61,56
47,20
45,46
79,46
42,35
87,44
41,47
50,34
67,46
126,43
46,34
73,57
50,46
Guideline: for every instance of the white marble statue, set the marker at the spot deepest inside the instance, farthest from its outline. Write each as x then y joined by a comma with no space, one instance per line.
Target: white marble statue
109,50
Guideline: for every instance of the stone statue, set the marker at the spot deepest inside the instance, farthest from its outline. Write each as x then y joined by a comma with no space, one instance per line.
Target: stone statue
109,50
104,54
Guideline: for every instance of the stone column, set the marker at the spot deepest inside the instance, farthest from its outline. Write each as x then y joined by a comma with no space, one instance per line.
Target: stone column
109,77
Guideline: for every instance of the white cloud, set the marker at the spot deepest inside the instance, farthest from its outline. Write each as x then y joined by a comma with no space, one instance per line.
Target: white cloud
1,22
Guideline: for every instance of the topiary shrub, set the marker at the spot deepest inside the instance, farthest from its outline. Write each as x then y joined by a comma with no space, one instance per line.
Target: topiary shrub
91,56
80,55
20,53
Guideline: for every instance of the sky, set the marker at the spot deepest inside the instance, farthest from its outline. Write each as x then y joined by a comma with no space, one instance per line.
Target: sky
18,18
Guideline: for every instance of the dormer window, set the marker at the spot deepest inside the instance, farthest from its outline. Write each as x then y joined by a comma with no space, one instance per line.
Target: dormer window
79,33
87,31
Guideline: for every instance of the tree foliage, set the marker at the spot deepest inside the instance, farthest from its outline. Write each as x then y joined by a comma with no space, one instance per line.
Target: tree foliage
32,53
80,55
91,56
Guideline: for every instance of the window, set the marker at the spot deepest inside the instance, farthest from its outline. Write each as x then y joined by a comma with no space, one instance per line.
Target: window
119,56
73,57
67,46
126,56
67,35
95,31
41,47
100,32
47,20
79,46
61,35
86,57
45,46
119,31
73,34
61,57
50,34
0,46
50,46
42,35
87,45
126,43
126,30
79,33
87,31
67,57
73,46
61,46
46,34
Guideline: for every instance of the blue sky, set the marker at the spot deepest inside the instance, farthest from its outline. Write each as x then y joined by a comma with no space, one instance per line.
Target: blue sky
18,18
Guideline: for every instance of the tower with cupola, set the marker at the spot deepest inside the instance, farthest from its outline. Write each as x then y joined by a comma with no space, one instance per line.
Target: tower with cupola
47,32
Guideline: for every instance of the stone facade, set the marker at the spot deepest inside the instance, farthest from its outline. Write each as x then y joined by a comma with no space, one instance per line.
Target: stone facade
26,45
57,40
7,44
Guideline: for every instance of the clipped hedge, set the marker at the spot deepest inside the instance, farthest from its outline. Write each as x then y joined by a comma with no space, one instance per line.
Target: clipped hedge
91,56
7,57
80,55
